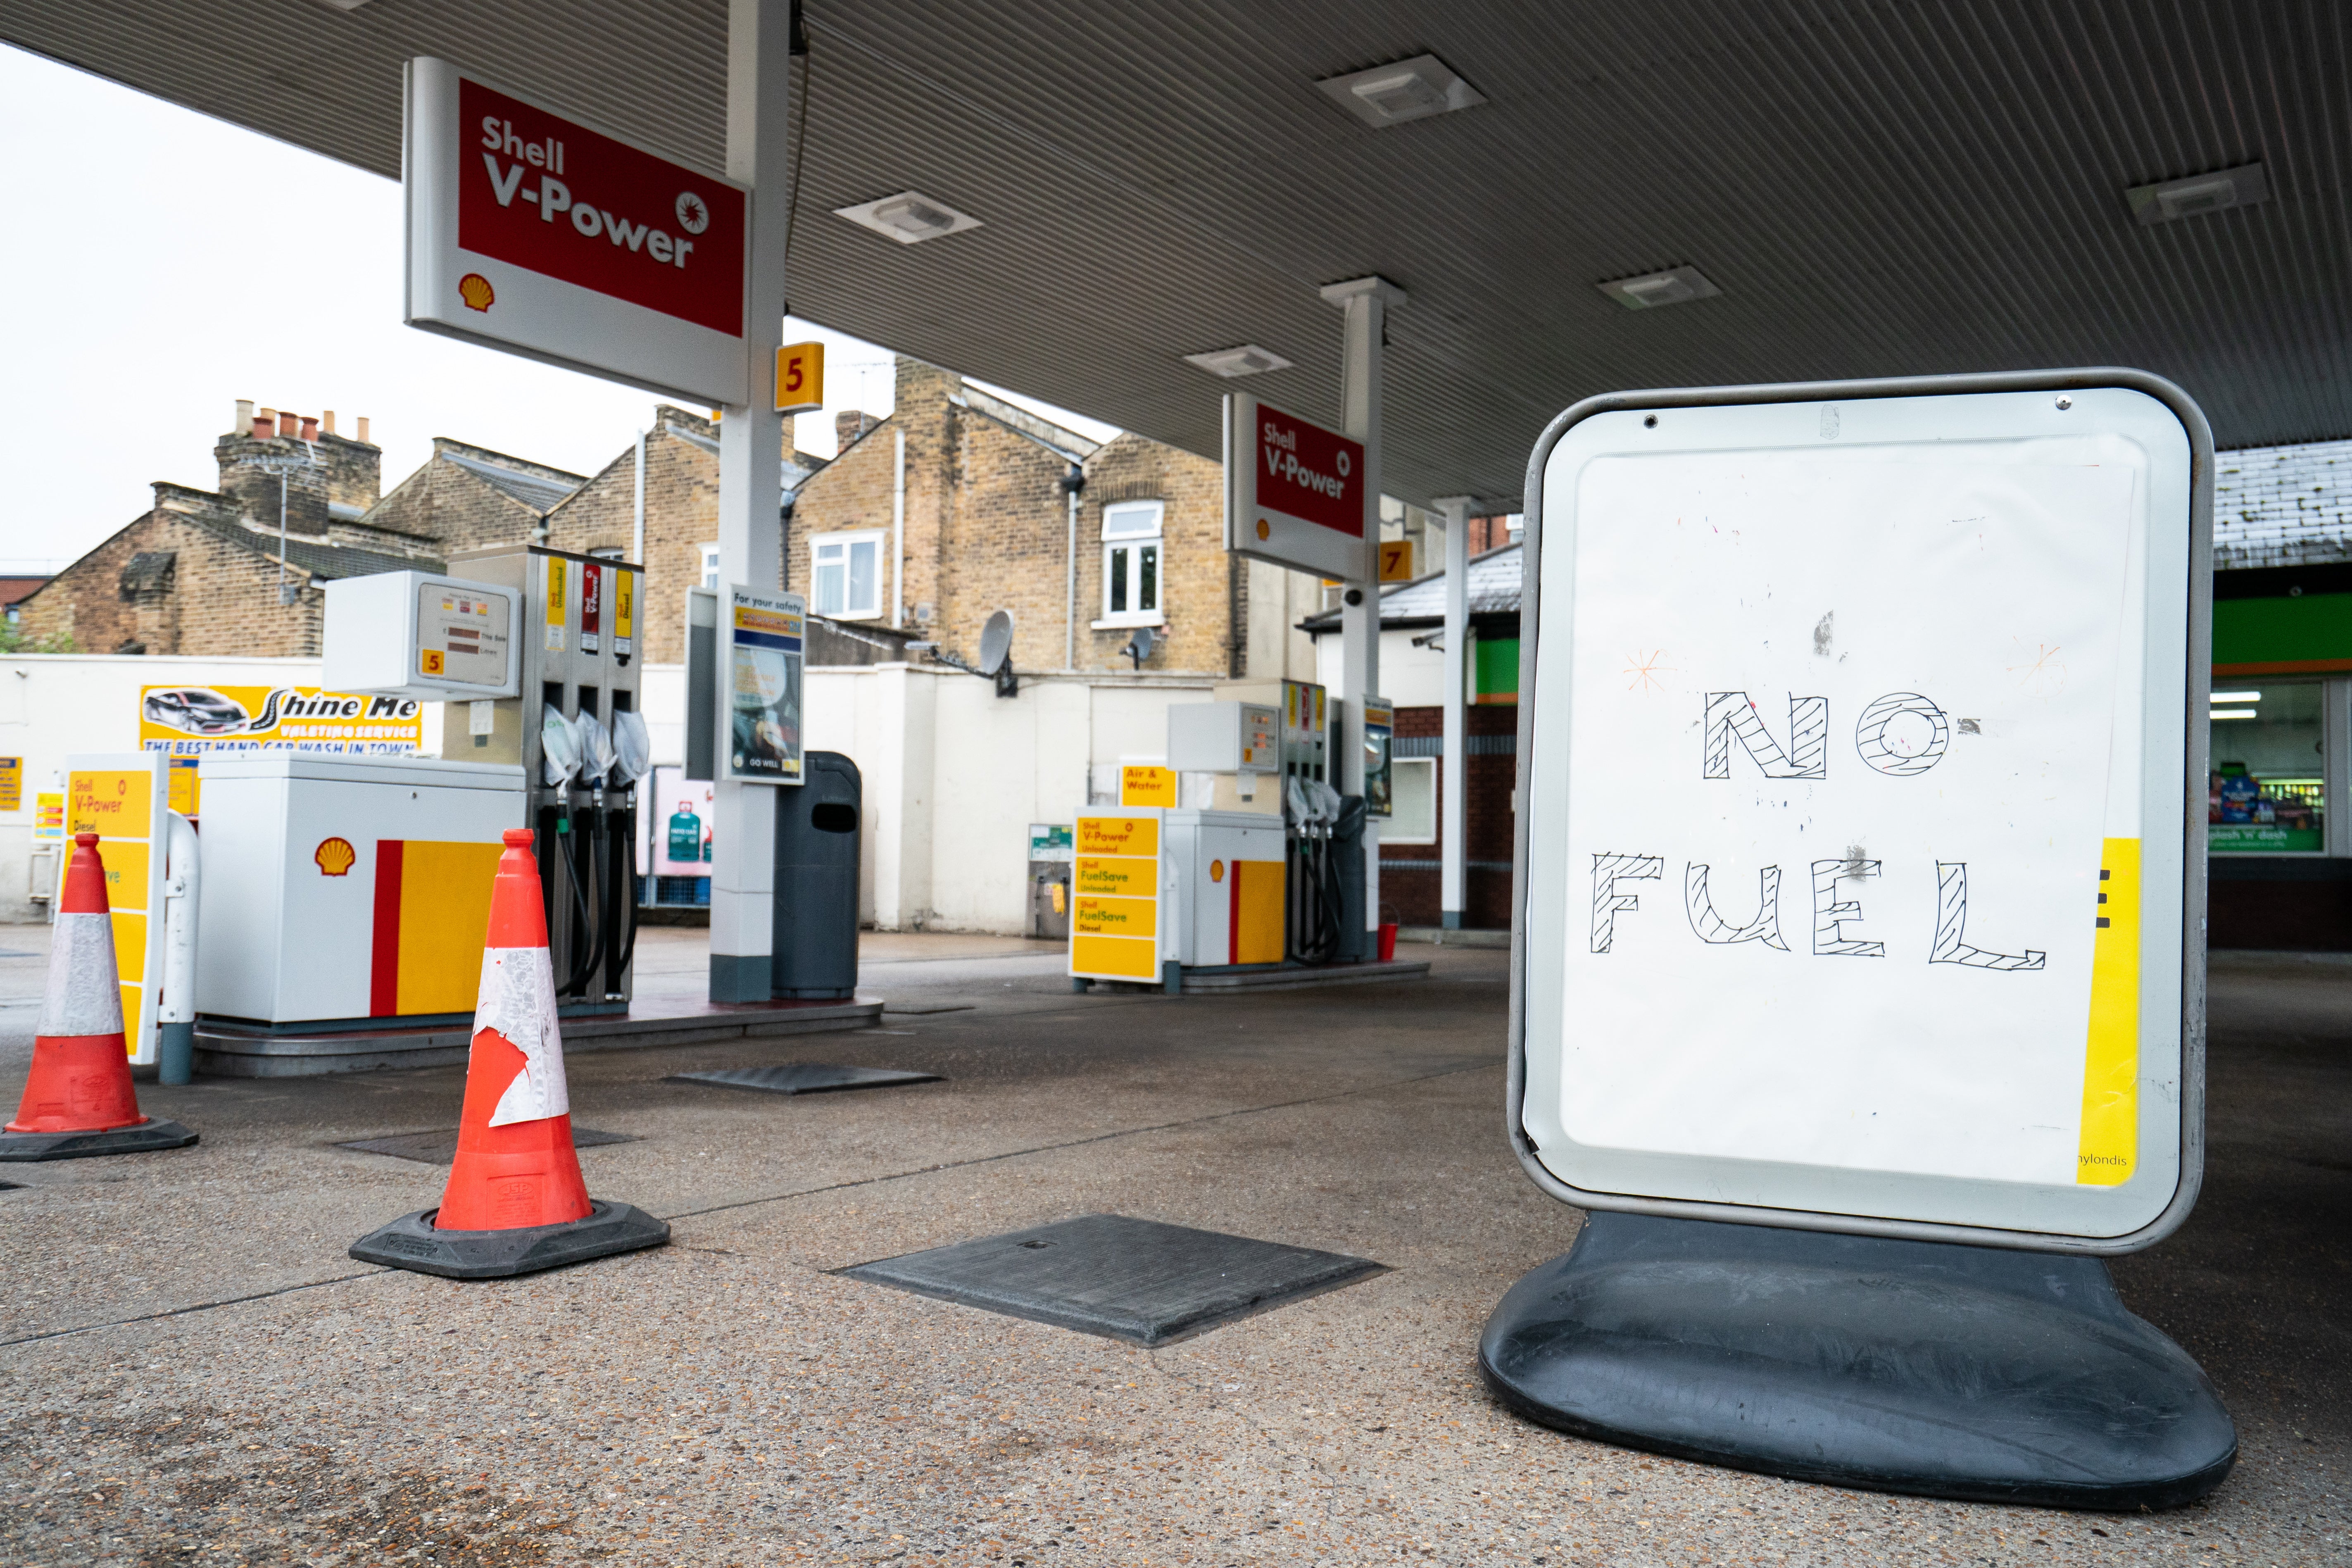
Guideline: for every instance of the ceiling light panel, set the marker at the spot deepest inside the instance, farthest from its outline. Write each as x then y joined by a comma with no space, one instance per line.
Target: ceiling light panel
2170,201
1405,90
909,217
1675,286
1247,360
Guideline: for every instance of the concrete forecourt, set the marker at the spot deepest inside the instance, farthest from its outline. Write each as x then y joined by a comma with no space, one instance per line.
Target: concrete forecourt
196,1372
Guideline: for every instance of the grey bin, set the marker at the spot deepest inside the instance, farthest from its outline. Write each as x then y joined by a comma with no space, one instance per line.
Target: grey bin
817,838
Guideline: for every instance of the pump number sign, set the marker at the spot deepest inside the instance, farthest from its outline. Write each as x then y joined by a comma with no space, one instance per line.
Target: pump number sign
533,233
1864,755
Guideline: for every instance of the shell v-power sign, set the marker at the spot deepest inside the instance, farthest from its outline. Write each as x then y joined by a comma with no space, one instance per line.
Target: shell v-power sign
538,235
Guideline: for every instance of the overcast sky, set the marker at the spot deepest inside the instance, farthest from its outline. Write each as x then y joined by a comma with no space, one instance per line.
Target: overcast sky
182,263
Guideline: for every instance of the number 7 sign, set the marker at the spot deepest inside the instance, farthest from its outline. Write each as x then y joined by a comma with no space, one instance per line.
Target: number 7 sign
800,378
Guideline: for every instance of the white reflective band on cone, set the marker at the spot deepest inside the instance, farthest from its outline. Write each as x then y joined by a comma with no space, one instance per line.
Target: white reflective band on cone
518,1000
85,994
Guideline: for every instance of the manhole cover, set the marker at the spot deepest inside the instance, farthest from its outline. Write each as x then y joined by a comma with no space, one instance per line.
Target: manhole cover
440,1148
1133,1279
802,1078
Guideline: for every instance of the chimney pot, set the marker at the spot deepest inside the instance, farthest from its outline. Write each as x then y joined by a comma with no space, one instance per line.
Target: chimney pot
244,425
327,421
265,424
310,428
363,434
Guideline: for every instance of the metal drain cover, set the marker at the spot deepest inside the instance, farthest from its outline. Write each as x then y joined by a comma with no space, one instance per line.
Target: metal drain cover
802,1078
1133,1279
440,1148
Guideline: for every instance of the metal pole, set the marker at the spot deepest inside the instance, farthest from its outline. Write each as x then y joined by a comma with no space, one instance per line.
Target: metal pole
1454,765
1070,591
1366,301
750,479
899,529
281,537
637,537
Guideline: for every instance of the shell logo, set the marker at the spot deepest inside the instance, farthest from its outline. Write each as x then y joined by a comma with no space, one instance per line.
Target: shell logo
334,857
476,290
1265,528
1216,870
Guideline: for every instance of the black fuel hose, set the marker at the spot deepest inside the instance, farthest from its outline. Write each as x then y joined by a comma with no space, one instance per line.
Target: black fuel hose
583,947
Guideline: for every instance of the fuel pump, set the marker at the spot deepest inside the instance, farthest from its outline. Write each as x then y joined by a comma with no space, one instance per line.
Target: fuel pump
584,748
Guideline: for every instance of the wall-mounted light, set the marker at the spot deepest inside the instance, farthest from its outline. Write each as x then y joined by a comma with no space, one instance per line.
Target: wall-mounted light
1404,89
2233,713
1247,360
1675,286
2168,201
2235,697
909,217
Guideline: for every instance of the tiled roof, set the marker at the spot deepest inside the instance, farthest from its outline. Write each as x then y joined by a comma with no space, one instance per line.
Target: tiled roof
537,492
2283,506
326,562
1494,591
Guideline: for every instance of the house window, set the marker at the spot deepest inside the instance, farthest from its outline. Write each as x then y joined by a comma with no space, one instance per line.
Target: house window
1412,801
709,565
1131,545
845,570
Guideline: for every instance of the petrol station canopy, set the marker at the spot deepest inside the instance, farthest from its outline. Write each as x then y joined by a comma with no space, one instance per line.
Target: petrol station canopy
1871,189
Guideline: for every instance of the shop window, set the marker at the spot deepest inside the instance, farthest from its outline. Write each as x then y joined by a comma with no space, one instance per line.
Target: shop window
845,569
1412,801
2268,791
1131,546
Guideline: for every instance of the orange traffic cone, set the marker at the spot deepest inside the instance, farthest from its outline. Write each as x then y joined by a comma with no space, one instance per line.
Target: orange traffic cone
515,1202
77,1099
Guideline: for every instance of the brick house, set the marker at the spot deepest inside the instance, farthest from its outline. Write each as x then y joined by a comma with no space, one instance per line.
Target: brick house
986,528
201,572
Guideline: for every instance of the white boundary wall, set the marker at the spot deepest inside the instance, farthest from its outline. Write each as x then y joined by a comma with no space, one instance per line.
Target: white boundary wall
954,775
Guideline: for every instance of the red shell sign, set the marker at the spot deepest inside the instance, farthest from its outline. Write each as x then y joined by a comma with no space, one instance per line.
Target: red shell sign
550,194
1296,492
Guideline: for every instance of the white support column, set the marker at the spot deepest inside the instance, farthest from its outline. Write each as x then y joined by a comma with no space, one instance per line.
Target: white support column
1453,768
751,478
1366,301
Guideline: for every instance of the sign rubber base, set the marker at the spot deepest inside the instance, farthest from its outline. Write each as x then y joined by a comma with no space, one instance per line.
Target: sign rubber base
411,1242
1921,1367
145,1138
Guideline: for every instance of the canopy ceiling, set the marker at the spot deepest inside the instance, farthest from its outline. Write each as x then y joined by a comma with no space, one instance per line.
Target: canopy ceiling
1875,188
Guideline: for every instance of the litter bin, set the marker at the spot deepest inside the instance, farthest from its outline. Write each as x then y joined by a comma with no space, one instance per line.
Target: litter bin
817,840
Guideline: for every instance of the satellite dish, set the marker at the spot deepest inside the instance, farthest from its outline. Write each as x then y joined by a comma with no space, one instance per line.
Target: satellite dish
1139,646
996,642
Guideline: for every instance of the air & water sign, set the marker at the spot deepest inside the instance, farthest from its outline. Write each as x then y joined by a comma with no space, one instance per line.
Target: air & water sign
1864,760
533,233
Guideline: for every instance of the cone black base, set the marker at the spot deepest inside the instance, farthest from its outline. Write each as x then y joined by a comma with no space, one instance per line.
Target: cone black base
411,1242
145,1138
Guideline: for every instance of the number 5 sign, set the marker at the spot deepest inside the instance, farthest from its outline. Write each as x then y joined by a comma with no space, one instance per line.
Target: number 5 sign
800,378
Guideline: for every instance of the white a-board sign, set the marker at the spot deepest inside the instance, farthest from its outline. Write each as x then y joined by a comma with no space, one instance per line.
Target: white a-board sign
1863,783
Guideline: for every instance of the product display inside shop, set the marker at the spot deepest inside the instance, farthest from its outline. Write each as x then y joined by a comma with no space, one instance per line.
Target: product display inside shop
2268,791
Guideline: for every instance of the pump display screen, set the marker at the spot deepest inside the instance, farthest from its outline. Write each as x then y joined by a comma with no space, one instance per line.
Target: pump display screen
462,636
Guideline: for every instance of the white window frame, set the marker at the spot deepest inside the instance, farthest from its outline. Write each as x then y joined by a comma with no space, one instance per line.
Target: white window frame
709,564
1394,828
843,544
1123,536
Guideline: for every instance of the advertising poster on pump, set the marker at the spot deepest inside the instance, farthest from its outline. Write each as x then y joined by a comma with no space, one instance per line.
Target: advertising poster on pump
533,233
760,732
187,721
